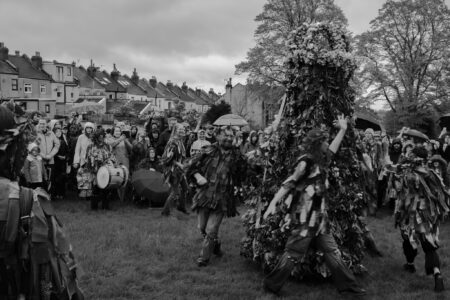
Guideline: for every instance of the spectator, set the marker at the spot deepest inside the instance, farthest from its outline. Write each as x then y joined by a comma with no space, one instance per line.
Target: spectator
165,136
133,134
61,158
48,145
84,177
252,143
445,142
154,137
209,134
33,169
199,144
395,150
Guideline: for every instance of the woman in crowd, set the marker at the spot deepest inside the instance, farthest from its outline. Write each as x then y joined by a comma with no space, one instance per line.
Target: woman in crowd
133,134
60,169
252,143
99,154
84,177
139,150
121,148
154,138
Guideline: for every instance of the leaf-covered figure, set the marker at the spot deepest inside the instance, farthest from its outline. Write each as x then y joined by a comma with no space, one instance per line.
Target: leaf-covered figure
319,69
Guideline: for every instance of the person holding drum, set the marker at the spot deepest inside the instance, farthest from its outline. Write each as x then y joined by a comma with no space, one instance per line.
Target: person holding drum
121,148
98,155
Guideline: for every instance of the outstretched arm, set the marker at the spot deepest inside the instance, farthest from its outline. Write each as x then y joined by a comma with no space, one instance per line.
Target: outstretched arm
340,123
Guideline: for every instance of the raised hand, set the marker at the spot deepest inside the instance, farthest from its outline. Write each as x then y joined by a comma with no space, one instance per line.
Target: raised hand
341,122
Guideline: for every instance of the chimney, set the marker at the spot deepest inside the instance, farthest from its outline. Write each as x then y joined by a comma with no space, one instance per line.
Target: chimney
169,84
153,82
36,60
91,69
3,52
115,74
198,92
211,93
17,53
135,77
184,87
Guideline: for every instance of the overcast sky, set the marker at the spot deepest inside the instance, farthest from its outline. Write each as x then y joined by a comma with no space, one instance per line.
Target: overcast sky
197,41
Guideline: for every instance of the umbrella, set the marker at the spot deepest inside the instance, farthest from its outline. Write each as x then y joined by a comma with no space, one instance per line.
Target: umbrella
444,121
416,134
151,185
364,121
230,120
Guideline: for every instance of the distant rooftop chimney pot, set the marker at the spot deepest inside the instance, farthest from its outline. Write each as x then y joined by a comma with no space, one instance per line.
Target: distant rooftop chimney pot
153,82
38,53
17,53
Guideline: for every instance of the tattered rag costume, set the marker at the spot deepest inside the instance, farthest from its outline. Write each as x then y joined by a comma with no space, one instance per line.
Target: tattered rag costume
422,203
36,259
174,153
306,198
214,200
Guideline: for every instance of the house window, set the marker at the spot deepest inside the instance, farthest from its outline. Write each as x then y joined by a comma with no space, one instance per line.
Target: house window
170,105
15,84
58,94
47,108
60,73
69,71
71,95
110,96
27,88
43,89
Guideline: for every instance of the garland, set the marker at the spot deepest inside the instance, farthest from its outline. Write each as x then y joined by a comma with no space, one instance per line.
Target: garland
319,66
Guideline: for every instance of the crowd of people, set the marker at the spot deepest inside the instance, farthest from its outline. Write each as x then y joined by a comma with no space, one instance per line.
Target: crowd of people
206,165
67,154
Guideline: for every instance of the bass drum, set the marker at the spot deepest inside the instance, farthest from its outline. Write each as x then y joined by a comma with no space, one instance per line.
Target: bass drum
110,177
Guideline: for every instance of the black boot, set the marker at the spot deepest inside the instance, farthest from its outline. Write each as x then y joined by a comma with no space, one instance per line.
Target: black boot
217,251
438,283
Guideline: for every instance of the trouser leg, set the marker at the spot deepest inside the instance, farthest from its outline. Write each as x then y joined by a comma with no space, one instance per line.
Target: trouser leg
182,191
105,199
296,248
214,219
431,257
409,250
341,275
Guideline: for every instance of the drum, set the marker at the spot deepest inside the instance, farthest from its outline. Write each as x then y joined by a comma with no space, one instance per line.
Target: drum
110,177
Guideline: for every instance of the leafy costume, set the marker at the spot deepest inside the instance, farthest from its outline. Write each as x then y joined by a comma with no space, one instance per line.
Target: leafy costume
319,68
422,202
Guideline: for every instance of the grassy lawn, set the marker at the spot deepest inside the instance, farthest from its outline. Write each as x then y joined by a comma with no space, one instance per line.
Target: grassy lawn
129,253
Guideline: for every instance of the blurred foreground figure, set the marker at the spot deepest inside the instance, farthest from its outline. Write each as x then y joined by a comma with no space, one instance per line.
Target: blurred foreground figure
36,259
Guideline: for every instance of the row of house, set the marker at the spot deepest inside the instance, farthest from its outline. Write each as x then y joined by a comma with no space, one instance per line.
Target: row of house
58,88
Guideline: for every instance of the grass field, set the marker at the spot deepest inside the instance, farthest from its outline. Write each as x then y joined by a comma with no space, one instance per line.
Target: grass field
130,253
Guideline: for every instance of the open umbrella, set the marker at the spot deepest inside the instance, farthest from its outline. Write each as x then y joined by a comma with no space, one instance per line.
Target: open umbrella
364,121
444,121
230,120
416,134
151,185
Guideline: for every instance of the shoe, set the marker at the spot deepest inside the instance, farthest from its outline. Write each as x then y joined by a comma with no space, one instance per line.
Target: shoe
438,283
217,251
411,268
355,291
201,262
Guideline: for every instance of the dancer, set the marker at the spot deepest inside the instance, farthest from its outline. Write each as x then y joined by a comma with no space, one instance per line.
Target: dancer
421,204
172,160
307,189
36,259
216,171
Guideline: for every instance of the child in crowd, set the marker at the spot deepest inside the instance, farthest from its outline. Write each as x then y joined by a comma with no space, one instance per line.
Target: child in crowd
33,168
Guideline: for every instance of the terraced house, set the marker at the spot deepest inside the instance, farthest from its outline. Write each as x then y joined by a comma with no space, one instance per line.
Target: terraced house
24,80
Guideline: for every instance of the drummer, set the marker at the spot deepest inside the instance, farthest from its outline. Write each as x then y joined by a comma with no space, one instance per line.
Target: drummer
121,148
99,154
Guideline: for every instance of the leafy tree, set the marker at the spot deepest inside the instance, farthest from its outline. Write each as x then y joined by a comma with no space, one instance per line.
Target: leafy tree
264,62
405,58
216,111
